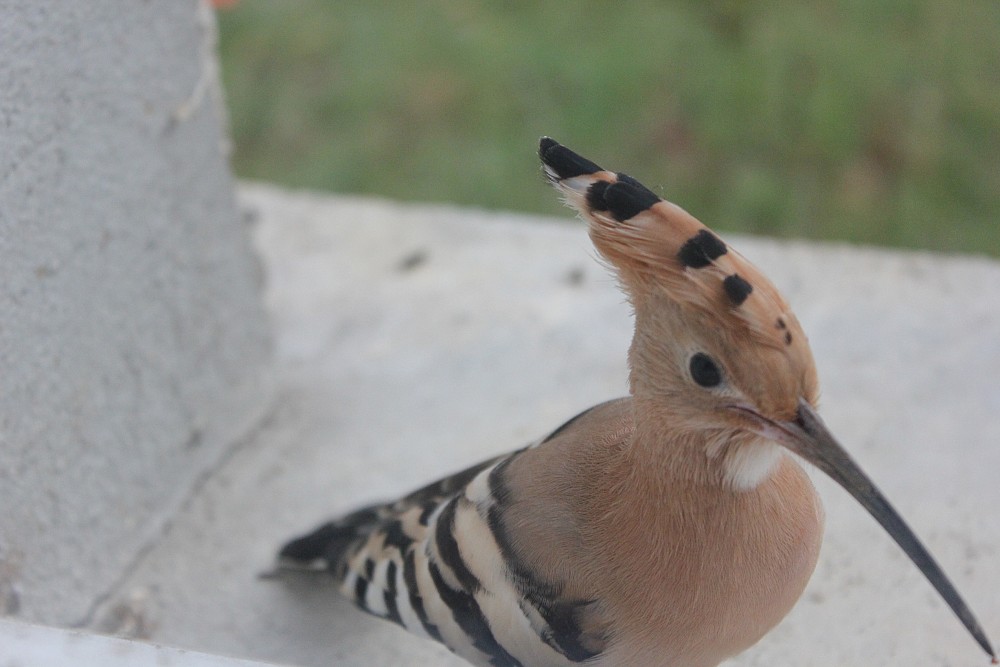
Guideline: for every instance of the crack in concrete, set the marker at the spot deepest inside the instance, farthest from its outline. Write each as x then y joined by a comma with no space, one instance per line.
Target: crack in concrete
102,607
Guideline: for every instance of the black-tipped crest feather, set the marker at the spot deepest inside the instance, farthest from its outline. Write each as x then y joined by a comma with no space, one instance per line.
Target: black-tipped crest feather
564,162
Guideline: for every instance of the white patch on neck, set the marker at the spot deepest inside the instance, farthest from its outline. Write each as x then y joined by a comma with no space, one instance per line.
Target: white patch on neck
749,464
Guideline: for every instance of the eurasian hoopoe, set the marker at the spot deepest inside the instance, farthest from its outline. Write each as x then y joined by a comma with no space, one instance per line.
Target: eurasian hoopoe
665,528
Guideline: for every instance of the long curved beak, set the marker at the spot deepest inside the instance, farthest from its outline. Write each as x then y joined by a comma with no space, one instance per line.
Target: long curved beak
809,437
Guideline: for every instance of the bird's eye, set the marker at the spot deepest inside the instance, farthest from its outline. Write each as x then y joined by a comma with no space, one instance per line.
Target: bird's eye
704,371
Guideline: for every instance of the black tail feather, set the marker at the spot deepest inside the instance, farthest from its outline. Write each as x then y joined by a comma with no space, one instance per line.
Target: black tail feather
331,540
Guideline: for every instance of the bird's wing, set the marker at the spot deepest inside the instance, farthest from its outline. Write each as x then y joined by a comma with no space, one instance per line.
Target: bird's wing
454,562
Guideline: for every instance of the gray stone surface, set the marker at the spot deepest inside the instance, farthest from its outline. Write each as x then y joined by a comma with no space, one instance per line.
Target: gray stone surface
132,340
413,340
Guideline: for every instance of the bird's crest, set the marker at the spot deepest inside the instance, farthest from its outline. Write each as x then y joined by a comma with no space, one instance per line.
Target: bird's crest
656,245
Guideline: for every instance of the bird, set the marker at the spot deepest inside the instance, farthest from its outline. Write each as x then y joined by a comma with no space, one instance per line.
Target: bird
673,526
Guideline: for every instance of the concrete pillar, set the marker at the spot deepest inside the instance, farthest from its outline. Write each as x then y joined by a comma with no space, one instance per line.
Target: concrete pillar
133,346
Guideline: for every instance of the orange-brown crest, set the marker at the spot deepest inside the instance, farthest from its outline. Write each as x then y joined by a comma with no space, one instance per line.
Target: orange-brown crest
658,248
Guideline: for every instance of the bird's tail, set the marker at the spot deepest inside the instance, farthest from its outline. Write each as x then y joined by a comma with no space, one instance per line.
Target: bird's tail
326,546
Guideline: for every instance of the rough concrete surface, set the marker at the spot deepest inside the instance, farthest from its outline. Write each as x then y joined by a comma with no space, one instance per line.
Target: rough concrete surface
414,340
132,339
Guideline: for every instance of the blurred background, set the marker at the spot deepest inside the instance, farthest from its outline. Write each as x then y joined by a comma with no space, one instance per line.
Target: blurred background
871,121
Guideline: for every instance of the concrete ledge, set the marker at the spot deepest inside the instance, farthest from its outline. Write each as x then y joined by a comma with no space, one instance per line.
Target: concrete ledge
413,340
39,646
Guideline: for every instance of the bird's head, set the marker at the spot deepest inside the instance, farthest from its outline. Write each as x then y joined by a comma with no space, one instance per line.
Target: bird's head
715,341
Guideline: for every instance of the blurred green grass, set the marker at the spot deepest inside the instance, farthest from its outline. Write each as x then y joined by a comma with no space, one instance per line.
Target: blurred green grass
874,121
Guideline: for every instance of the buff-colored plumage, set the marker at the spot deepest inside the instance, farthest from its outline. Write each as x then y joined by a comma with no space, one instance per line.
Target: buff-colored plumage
643,250
669,527
688,572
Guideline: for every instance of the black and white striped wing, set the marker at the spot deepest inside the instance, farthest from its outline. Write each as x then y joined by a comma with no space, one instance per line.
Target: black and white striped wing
437,562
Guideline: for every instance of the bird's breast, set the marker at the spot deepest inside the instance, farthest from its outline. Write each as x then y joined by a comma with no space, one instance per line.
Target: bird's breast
709,576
